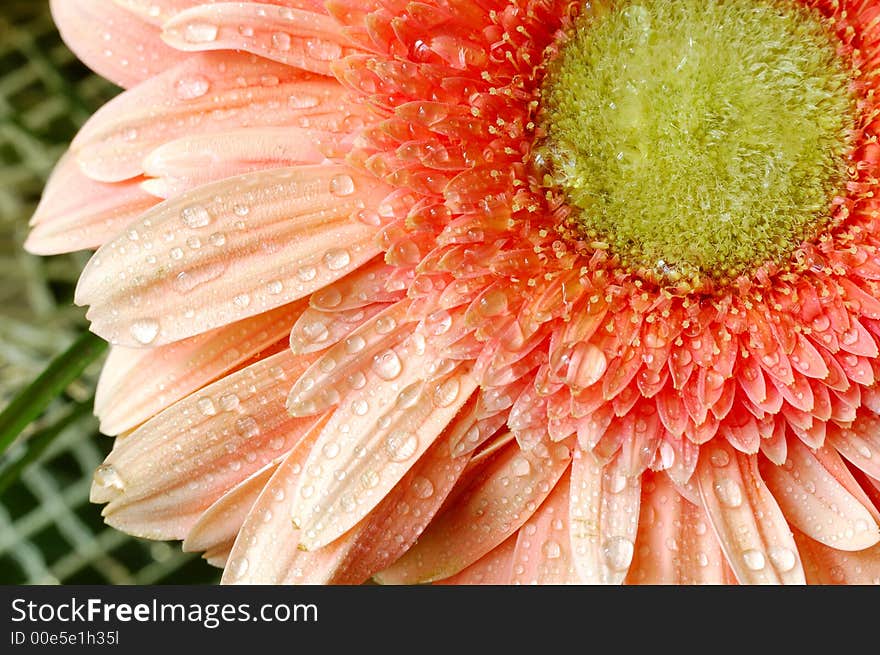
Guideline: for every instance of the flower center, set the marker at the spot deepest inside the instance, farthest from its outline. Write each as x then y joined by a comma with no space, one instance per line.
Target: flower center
697,139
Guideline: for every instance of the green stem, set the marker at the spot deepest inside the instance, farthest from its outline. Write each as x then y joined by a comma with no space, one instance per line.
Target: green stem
39,441
34,399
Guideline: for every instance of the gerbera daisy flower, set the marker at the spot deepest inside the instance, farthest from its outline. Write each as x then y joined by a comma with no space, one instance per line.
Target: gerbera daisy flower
484,291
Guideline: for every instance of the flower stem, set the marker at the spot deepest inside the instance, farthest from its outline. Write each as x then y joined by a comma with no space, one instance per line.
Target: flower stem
33,400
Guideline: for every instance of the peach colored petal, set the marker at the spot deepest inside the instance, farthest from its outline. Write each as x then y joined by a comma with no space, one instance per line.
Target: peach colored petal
303,39
343,365
371,283
191,161
227,251
604,516
219,525
375,436
136,384
97,212
207,93
113,42
814,501
316,330
219,555
393,527
859,443
159,11
499,499
493,568
827,566
543,547
675,543
160,478
748,522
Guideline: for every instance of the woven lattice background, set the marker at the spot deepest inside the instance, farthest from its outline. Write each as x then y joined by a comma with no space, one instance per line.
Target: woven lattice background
49,532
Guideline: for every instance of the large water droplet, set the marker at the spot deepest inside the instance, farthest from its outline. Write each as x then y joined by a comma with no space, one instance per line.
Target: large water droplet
728,492
206,406
387,365
190,87
337,258
551,549
341,185
401,446
195,216
446,392
422,487
200,32
754,559
108,477
618,553
281,41
783,559
145,330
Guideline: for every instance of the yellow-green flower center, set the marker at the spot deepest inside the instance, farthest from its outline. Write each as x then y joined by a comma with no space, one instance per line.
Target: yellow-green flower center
697,139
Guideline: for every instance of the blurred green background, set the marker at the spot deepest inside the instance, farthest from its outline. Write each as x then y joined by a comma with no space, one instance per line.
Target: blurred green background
49,532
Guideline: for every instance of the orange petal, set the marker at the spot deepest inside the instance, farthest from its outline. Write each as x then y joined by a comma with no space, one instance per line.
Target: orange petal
825,565
227,251
499,499
494,568
139,383
209,93
814,501
375,437
316,330
747,520
543,547
294,37
97,212
604,515
675,544
161,477
114,43
219,525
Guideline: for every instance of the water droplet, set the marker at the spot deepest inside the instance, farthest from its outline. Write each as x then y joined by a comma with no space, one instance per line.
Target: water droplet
241,300
306,273
330,450
176,253
618,553
446,392
108,477
228,402
239,567
360,407
206,406
754,559
387,365
190,87
247,427
401,446
551,549
385,324
521,467
422,487
274,287
783,559
281,41
217,239
337,258
728,492
145,330
195,216
719,458
341,185
370,479
354,344
200,32
240,210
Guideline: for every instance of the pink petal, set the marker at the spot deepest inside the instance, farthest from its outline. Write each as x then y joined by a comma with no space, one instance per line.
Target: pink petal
219,525
860,443
499,499
826,566
139,383
316,330
206,94
97,212
227,251
160,478
111,41
294,37
815,502
543,548
604,515
159,11
191,161
493,568
375,437
675,544
749,524
393,527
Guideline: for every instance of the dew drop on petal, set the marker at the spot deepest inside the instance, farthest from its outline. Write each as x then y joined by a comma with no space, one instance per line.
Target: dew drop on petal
206,406
422,487
551,549
195,216
754,559
618,553
145,330
341,185
107,477
387,365
401,446
783,559
190,87
200,32
728,492
337,258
